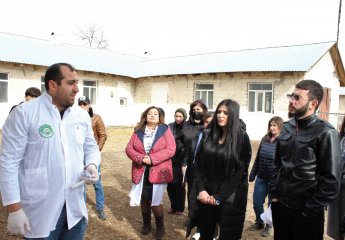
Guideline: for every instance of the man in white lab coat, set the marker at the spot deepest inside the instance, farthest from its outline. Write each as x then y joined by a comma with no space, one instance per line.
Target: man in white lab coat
46,144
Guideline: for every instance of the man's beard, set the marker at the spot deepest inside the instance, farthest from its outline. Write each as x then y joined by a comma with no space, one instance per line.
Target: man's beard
299,112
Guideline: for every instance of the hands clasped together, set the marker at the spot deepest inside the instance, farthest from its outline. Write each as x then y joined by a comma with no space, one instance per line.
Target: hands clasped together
205,198
147,160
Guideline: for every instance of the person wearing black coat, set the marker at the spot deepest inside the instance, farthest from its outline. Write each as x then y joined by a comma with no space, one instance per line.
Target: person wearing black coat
262,169
189,132
175,189
221,174
336,210
306,172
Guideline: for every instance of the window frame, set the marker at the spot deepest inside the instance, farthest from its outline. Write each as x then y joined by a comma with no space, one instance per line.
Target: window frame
88,90
125,101
198,94
43,86
5,100
260,93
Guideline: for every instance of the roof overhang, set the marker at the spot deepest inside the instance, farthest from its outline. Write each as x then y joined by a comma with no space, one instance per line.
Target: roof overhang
338,64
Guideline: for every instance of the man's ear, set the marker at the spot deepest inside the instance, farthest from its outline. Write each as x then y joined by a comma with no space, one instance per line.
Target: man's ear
313,104
52,85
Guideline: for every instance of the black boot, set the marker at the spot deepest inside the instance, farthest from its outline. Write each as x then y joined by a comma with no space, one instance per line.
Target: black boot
146,229
160,229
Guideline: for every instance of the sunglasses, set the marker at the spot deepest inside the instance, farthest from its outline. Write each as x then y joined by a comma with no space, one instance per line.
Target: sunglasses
295,97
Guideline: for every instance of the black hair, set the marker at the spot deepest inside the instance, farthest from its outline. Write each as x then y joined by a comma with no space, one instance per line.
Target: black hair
54,73
315,90
202,105
33,92
233,140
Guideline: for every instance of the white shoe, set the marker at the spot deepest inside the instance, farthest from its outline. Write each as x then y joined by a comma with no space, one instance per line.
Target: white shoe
196,236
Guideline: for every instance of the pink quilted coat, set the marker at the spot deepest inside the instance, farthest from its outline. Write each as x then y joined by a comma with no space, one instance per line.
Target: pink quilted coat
163,149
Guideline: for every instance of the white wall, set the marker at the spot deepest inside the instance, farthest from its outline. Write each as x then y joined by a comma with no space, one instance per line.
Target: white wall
323,72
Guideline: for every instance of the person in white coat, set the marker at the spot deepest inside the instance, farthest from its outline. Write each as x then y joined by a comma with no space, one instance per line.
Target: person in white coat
47,143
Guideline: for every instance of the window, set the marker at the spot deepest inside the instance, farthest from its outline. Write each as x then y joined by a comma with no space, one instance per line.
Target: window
205,93
123,102
3,87
260,97
89,90
43,87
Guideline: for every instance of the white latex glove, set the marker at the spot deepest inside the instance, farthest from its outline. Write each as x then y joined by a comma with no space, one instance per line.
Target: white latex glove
17,223
92,169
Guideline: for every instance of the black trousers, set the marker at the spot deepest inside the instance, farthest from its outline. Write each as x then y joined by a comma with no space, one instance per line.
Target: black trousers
290,224
177,196
208,217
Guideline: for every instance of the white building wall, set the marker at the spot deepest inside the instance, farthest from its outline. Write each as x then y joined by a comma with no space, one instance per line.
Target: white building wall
109,90
324,73
172,92
20,78
234,86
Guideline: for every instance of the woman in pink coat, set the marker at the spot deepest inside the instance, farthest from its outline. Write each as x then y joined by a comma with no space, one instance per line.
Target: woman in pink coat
151,148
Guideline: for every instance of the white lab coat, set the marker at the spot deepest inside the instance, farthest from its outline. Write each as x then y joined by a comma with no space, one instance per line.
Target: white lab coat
42,156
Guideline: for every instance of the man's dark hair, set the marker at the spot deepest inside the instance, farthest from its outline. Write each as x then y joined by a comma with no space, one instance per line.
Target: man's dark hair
33,92
315,90
54,73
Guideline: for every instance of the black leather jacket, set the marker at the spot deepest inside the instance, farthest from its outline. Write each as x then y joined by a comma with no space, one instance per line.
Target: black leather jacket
306,173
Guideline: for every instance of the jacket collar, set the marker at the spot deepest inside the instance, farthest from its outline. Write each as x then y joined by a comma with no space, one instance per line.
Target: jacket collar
302,123
160,131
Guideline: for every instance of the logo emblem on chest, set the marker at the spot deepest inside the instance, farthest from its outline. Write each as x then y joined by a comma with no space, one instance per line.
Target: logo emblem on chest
46,131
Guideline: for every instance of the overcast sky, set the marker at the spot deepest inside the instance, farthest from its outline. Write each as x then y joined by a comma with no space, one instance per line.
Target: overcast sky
179,27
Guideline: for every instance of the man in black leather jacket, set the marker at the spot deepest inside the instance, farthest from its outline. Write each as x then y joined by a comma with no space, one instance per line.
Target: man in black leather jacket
306,174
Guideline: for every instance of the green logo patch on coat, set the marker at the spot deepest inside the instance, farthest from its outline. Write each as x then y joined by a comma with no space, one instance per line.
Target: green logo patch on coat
46,131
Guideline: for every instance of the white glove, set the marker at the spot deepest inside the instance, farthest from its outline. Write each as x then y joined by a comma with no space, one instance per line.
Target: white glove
17,223
92,169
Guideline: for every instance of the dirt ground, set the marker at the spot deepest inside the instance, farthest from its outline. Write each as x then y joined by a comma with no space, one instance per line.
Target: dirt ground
124,222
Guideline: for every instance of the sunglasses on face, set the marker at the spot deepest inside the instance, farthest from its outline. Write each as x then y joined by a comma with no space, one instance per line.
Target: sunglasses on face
295,97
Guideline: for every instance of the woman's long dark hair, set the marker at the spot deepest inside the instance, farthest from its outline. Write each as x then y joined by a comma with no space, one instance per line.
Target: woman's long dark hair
233,140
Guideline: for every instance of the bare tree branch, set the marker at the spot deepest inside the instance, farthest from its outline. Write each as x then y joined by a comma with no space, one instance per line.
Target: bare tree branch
93,36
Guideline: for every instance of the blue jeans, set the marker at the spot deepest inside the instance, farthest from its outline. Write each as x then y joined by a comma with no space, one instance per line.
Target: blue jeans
259,196
99,192
61,231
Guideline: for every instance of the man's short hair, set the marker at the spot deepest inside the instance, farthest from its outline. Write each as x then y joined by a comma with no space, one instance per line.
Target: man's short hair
33,92
315,90
54,73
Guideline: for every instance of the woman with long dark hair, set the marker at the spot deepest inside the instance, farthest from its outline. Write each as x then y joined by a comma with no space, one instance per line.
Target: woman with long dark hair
221,174
151,148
